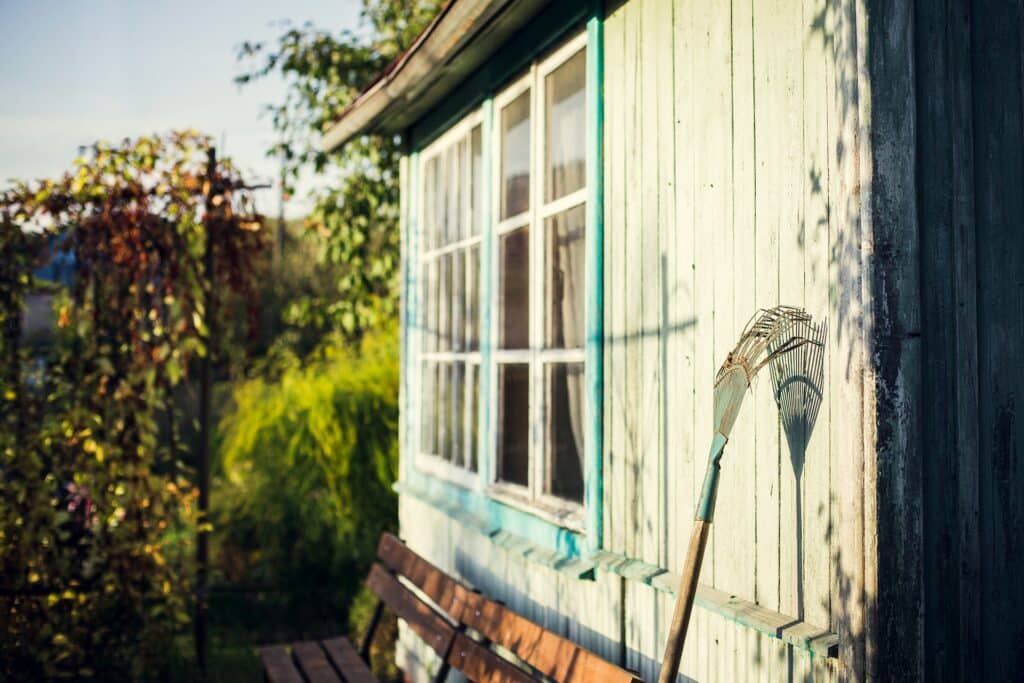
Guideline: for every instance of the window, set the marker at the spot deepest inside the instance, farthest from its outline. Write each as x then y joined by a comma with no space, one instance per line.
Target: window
452,219
540,142
524,256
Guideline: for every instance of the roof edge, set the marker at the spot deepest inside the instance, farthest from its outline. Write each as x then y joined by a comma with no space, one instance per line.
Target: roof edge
415,69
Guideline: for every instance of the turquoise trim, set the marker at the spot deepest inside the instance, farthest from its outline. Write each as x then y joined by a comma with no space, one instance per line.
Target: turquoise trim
409,351
706,506
485,441
595,281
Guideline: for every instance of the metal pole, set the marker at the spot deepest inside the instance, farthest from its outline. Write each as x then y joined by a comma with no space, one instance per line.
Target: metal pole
203,464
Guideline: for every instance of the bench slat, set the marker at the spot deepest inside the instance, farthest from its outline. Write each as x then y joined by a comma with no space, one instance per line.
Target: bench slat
313,663
278,665
343,655
428,624
480,664
549,653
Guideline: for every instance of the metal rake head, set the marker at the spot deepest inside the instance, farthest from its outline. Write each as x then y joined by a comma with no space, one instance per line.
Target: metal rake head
769,334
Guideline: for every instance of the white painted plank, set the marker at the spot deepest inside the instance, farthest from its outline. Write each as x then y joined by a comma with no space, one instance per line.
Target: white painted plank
816,520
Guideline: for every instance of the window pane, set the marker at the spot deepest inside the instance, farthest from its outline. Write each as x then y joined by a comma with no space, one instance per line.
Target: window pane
429,204
514,423
458,298
443,299
515,156
565,280
456,425
477,180
428,432
473,298
565,151
472,414
430,305
565,431
444,411
514,302
454,193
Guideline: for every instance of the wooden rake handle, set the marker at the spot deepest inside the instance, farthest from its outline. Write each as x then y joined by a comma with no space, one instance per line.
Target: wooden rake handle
684,601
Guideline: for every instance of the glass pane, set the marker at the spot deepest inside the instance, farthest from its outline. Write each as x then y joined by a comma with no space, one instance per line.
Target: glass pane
458,298
477,180
514,301
472,413
430,305
444,289
453,190
444,411
515,156
428,417
429,200
514,423
456,424
473,298
565,431
565,279
565,152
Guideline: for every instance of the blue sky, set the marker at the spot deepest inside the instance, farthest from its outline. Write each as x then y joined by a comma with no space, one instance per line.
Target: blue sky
75,71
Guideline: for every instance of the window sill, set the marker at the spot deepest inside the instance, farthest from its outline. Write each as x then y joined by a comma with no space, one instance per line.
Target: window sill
574,566
568,516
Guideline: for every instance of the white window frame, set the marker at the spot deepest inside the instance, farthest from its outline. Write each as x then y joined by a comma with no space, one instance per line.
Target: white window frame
430,463
532,498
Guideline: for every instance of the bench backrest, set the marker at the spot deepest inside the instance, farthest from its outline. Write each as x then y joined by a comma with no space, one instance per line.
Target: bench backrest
548,653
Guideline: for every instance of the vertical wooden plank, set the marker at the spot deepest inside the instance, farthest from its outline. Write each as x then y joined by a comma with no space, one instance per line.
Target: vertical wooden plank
741,456
786,164
682,438
632,283
997,58
851,435
768,115
816,486
712,149
614,489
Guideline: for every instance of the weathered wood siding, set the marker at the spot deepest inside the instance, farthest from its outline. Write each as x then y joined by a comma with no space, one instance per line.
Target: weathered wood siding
730,185
947,213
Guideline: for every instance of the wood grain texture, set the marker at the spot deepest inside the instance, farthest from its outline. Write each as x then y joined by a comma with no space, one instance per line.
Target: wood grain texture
313,663
278,665
342,654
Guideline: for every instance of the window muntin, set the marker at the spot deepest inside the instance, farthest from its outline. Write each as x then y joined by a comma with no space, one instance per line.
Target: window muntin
541,265
453,219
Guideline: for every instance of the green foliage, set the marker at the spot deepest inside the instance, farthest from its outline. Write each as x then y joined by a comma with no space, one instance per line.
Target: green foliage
358,218
307,460
97,509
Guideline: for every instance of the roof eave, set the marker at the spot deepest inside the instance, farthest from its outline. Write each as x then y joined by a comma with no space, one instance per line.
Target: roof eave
405,90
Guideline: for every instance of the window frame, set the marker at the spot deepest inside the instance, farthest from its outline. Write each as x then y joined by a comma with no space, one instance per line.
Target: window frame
532,498
431,463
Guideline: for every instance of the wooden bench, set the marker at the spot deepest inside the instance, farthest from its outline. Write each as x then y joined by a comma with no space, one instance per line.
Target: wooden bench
460,624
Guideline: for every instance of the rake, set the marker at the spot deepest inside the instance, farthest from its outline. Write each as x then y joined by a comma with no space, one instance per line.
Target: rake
768,336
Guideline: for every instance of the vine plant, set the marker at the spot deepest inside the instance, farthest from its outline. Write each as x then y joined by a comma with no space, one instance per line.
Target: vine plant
97,506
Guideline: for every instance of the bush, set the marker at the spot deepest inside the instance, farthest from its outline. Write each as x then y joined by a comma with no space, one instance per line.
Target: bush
303,482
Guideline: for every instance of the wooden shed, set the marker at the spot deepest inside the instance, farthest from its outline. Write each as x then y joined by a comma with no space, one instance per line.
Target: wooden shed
596,198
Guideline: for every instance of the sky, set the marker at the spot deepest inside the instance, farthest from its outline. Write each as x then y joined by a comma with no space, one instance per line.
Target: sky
76,71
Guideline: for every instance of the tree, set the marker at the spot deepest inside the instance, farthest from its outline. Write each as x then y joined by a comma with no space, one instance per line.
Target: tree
97,507
358,220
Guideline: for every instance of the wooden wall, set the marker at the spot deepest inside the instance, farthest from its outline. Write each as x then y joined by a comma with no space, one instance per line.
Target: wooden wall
730,186
731,183
948,217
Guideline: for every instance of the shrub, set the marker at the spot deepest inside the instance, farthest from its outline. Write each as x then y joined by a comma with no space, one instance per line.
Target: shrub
306,465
